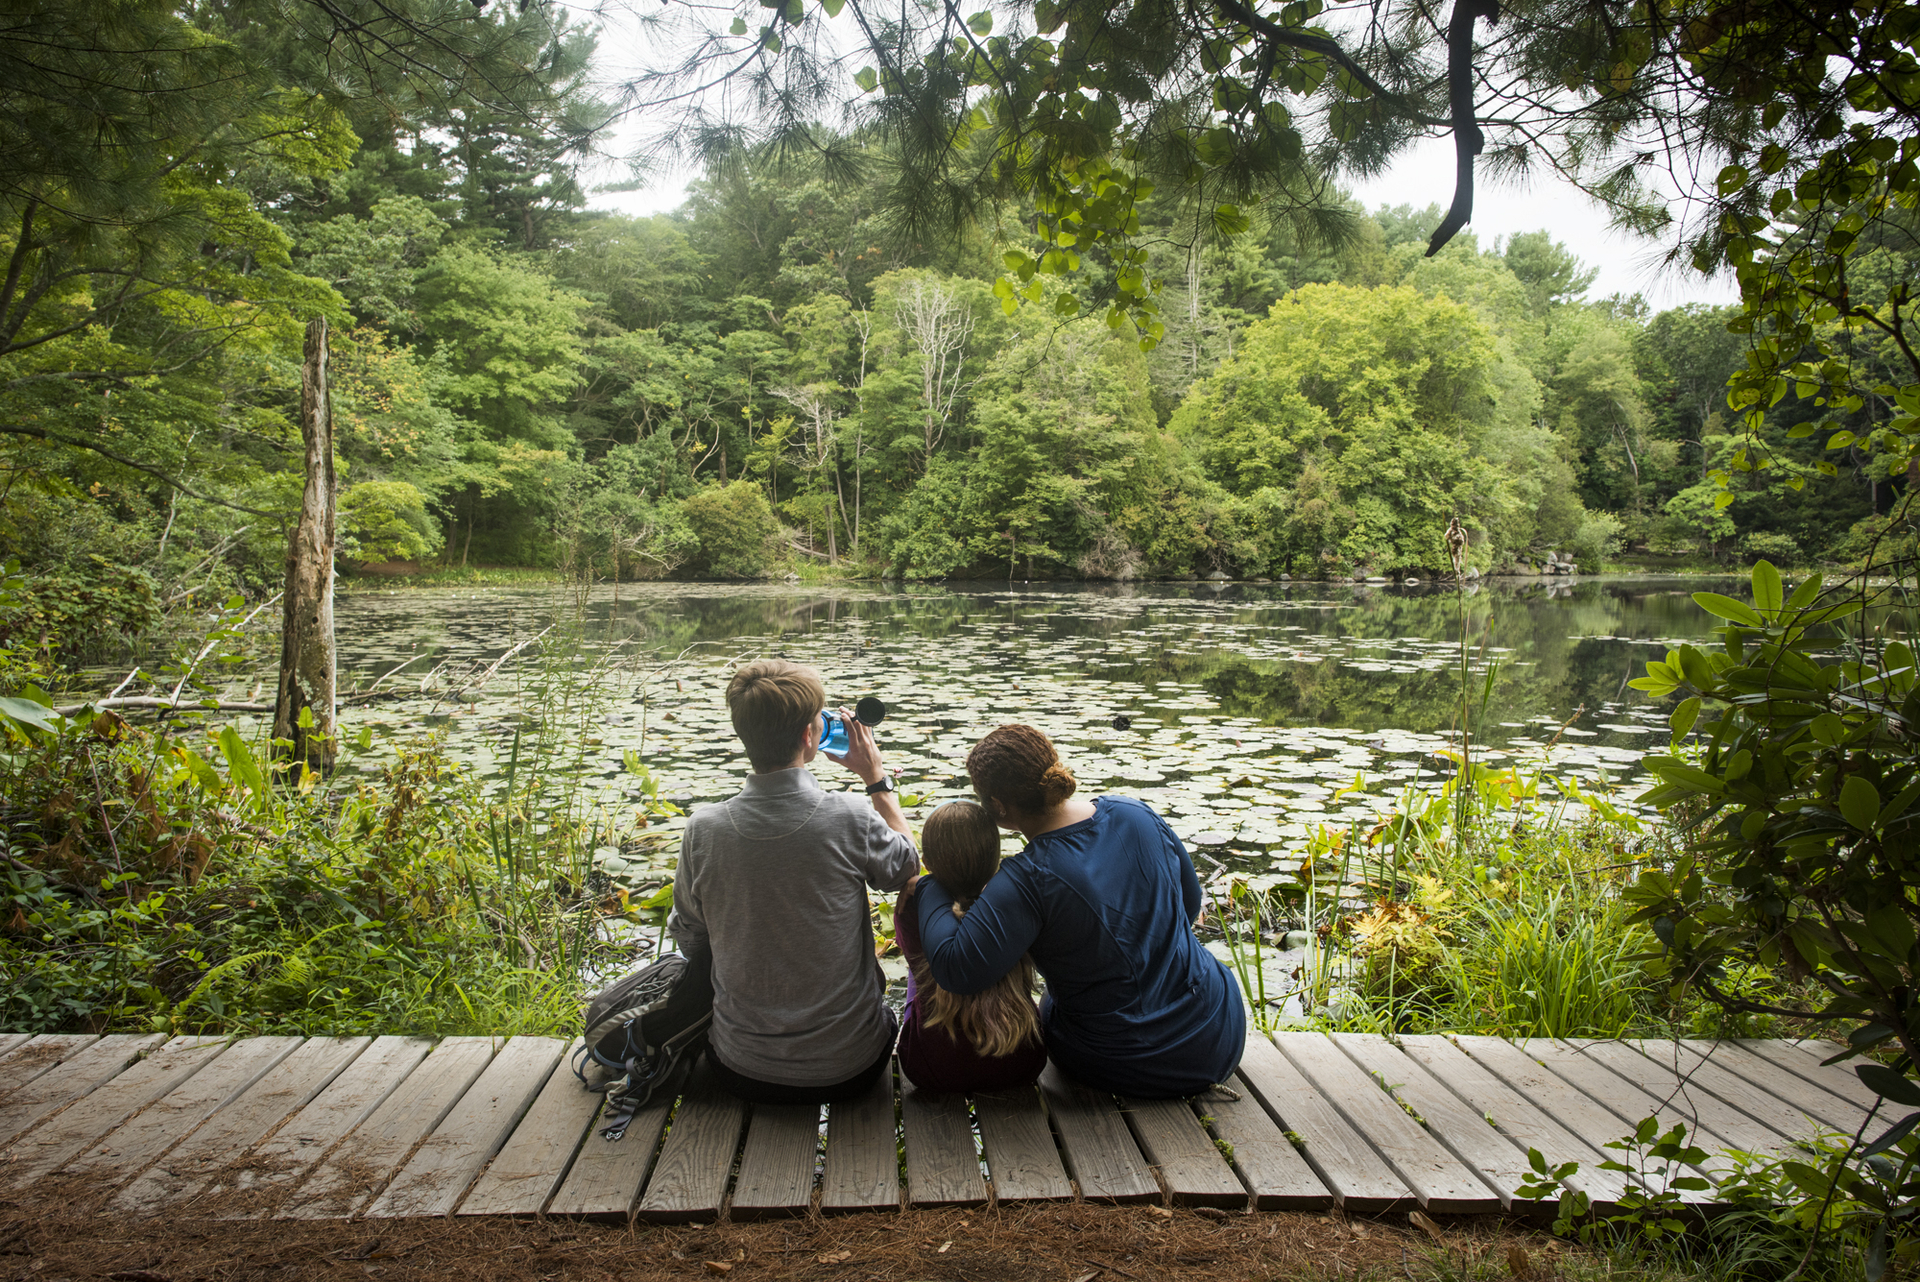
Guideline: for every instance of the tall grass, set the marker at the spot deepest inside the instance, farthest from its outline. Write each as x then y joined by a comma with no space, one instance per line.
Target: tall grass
169,877
1545,966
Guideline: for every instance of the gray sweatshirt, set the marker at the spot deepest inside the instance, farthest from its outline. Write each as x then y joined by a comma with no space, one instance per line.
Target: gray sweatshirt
773,882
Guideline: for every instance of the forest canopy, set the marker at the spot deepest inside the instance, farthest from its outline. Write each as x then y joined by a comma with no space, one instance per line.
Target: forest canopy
781,372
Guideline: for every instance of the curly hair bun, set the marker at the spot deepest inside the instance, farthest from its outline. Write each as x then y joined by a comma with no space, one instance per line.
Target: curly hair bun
1017,766
1057,784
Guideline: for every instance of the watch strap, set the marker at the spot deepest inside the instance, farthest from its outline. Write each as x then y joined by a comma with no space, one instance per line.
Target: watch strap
880,785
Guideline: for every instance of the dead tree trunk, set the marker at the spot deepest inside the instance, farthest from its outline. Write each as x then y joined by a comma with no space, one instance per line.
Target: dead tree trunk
304,711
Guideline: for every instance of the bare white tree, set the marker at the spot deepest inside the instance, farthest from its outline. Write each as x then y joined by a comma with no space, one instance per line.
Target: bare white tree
863,325
939,324
818,417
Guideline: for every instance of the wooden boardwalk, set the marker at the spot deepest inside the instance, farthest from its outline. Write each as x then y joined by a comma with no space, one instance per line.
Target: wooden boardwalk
396,1126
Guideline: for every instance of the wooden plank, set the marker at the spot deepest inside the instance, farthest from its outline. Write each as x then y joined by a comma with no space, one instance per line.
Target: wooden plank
1269,1166
1466,1134
606,1175
1516,1116
1191,1170
1815,1101
278,1164
943,1164
1101,1155
863,1166
1712,1123
235,1128
1356,1175
1569,1078
61,1137
1711,1070
776,1166
27,1058
129,1148
1804,1060
534,1161
10,1040
1439,1180
1023,1162
1598,1120
438,1174
84,1073
689,1180
359,1167
1809,1097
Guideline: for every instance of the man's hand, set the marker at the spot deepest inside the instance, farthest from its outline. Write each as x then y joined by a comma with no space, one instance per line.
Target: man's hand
863,758
863,753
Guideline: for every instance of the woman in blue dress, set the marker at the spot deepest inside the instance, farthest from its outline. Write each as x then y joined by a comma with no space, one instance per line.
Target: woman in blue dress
1104,899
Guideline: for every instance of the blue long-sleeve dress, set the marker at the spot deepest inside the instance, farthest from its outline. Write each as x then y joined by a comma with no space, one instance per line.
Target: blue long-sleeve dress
1105,907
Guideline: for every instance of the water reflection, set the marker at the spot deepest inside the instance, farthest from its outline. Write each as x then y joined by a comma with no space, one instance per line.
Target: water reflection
1362,658
1251,706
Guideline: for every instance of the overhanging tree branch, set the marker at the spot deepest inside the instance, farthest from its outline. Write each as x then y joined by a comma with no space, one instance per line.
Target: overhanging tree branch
1468,141
72,443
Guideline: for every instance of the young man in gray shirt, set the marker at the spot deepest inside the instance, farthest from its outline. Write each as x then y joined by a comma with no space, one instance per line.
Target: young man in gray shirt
772,886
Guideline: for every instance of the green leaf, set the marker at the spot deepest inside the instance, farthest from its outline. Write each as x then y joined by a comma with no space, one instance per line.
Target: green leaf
981,24
205,775
29,713
241,762
1684,716
1860,803
1726,607
739,27
1694,778
833,7
1766,587
867,78
1888,1084
1891,1136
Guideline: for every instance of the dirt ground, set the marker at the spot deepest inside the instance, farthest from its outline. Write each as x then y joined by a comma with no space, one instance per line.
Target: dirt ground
1057,1243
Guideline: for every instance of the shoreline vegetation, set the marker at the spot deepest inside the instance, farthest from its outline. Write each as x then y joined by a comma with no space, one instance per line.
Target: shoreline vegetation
803,575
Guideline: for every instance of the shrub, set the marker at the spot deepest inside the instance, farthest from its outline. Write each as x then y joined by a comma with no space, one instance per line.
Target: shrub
1878,541
69,614
221,899
736,528
1763,545
386,521
1595,541
1804,789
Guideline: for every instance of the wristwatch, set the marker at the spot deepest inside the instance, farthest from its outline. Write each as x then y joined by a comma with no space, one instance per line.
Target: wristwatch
880,785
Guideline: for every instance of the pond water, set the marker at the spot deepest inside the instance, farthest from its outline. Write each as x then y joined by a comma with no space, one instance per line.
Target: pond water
1251,710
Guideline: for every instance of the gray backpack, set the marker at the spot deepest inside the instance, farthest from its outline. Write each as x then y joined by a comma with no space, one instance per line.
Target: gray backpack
647,1029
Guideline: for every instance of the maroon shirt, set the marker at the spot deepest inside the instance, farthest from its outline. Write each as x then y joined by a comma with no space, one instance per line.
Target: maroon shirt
933,1058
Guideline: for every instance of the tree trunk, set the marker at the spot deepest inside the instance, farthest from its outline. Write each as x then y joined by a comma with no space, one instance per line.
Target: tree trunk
304,710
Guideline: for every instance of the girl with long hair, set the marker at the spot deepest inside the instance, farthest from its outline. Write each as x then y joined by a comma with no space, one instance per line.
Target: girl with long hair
981,1041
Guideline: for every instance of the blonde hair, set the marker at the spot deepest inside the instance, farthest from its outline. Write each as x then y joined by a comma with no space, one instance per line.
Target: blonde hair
961,847
772,702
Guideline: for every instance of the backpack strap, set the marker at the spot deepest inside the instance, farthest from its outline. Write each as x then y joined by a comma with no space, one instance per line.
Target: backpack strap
664,1067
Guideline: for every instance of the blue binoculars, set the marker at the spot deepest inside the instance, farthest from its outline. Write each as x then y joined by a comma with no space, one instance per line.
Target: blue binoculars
833,730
